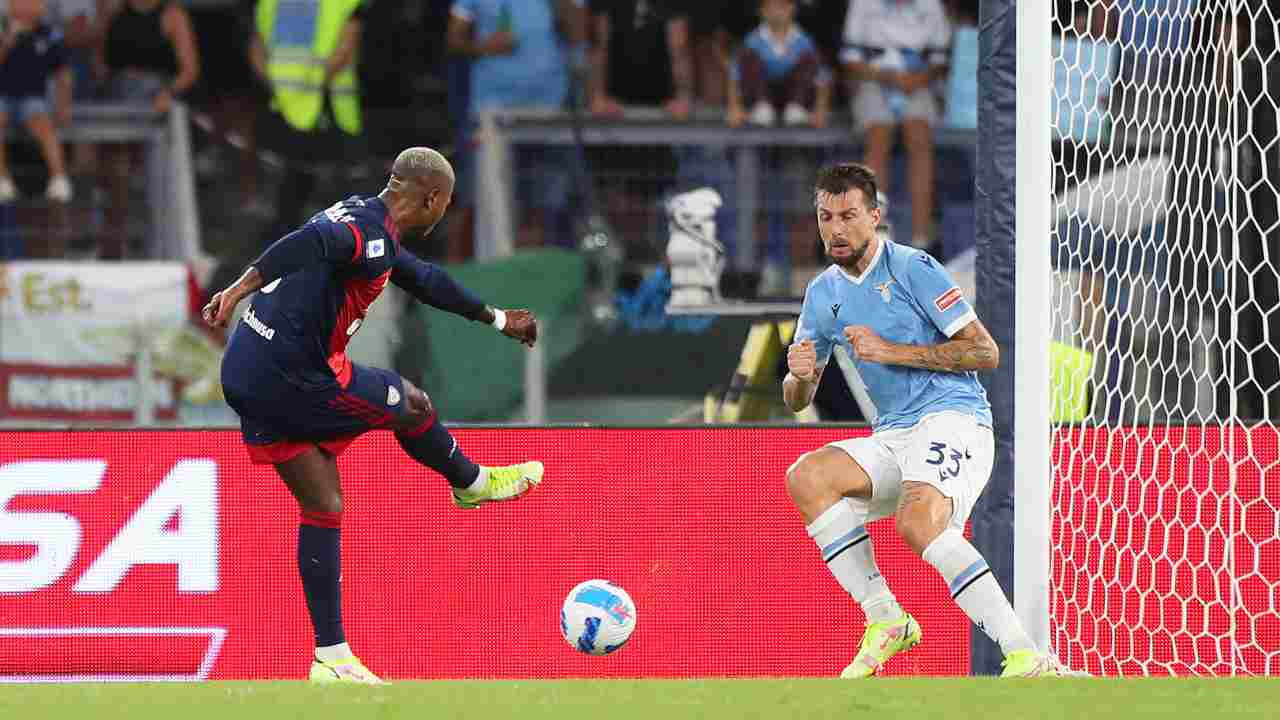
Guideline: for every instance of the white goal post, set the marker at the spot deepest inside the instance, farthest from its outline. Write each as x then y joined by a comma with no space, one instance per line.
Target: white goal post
1147,365
1031,353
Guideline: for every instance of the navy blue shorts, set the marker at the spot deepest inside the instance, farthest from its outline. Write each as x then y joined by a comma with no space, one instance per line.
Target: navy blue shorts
280,423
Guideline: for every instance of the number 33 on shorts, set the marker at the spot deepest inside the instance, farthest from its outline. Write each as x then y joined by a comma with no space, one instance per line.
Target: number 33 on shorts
948,460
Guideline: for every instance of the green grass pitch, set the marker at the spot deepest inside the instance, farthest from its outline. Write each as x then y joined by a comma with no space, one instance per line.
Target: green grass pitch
915,698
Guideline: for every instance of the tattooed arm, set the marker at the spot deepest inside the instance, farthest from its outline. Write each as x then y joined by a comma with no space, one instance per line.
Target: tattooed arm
971,348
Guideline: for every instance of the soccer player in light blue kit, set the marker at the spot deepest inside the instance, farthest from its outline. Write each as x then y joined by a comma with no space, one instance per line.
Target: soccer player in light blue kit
916,343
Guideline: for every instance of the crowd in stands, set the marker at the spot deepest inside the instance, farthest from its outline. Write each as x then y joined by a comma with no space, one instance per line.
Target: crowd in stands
328,85
770,63
54,53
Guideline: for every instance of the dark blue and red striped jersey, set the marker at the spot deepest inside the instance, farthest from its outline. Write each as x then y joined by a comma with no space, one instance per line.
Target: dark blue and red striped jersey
319,282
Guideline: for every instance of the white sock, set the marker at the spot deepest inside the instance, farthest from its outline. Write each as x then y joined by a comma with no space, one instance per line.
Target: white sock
333,653
975,590
841,534
478,484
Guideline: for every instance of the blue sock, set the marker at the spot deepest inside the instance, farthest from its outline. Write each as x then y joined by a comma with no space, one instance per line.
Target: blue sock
320,564
433,446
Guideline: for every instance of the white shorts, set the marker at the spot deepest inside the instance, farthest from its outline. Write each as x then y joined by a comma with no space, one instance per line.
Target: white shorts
948,450
871,107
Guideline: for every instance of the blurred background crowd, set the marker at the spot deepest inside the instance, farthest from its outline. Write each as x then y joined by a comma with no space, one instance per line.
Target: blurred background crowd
571,120
400,72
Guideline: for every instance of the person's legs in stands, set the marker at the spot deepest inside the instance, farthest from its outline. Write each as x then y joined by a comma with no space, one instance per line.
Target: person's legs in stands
798,91
873,117
40,125
58,192
917,134
752,84
710,41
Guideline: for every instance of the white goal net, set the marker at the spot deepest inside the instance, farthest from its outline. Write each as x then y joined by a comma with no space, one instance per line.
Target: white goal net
1165,553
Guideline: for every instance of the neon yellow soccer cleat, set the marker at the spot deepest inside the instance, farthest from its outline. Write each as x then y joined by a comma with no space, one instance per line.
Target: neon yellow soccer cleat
504,483
347,670
881,642
1030,664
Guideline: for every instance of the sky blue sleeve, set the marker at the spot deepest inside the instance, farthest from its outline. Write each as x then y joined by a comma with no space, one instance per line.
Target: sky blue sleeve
938,294
813,324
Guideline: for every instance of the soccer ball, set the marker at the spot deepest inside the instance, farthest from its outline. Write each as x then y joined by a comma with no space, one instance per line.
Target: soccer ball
598,617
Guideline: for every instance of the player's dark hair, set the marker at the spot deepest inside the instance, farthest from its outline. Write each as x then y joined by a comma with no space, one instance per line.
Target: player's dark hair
840,178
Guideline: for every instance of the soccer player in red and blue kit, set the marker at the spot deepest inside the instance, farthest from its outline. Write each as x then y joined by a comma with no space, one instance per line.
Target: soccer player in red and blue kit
301,401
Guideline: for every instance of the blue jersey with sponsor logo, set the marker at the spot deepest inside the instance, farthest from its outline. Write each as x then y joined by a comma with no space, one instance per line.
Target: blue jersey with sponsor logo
319,283
906,297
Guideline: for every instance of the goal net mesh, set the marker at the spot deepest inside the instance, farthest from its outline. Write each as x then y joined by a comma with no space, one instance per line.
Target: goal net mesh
1166,356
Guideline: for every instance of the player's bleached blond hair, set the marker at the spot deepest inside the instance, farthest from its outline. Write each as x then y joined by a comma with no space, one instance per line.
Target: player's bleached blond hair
418,162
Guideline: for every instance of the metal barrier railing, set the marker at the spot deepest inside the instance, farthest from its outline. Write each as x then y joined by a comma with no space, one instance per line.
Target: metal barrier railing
501,132
171,196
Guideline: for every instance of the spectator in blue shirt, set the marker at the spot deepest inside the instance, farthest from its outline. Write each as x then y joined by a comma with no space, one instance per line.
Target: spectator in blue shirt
520,53
32,52
779,73
519,50
893,52
779,69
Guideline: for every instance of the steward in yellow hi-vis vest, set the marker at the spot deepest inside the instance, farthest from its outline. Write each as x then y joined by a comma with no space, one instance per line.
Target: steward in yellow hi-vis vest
302,40
1071,371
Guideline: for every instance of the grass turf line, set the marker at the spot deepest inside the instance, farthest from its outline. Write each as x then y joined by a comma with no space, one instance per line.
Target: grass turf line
915,698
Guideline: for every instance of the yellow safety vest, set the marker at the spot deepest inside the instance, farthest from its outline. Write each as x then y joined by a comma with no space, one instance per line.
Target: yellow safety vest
1071,370
299,36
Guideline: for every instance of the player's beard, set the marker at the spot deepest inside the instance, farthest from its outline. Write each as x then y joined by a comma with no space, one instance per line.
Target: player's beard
851,260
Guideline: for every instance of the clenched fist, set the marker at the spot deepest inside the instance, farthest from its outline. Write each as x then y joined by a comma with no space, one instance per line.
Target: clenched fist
802,361
218,312
867,345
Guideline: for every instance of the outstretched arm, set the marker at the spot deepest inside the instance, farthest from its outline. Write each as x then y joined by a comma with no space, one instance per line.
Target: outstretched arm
431,285
970,348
